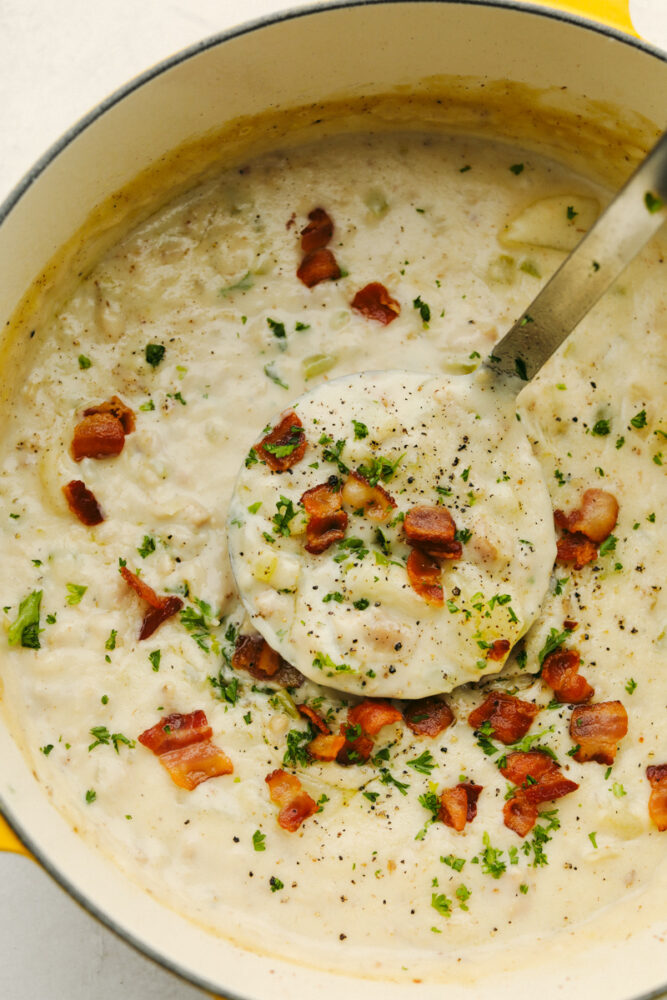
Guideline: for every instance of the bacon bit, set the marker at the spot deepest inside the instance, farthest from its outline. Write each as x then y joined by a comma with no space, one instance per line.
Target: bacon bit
523,764
183,746
296,805
314,717
433,530
318,232
570,625
373,500
284,445
375,302
428,716
499,649
118,409
291,221
458,805
510,718
326,747
82,502
355,750
99,435
540,780
372,715
320,265
595,518
657,803
597,730
561,672
327,520
253,654
424,574
160,608
577,549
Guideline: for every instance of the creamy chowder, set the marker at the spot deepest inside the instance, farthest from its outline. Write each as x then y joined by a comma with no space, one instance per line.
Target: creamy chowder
197,323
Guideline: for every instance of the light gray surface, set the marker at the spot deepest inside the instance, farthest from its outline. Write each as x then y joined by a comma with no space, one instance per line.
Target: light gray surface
58,58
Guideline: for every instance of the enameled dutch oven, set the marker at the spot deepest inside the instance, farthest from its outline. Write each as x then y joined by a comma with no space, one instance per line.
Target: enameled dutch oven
475,55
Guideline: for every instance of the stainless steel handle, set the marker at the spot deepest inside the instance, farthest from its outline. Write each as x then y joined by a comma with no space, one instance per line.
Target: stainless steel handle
629,221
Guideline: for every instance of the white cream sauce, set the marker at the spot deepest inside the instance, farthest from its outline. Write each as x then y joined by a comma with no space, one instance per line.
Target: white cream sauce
201,278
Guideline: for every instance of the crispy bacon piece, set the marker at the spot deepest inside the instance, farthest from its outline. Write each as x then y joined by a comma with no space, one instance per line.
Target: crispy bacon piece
118,409
597,729
540,780
428,716
182,744
372,715
356,749
433,530
296,805
284,445
458,805
82,502
375,501
524,764
99,435
364,721
159,608
318,232
425,574
510,718
595,518
374,302
253,653
560,670
326,746
576,549
314,717
316,266
657,802
499,649
327,520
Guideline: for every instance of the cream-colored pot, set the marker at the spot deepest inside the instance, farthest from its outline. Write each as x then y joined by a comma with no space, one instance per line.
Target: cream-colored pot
307,60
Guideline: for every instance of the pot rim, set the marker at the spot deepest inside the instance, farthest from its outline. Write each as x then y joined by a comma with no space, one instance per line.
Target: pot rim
43,162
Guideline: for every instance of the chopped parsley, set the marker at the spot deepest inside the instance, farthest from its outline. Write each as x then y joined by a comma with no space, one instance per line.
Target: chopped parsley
380,468
631,686
639,420
275,884
423,309
84,362
517,168
609,545
333,596
332,454
285,513
361,604
24,630
258,840
102,737
75,592
360,430
154,354
424,763
270,372
296,754
278,329
155,658
491,859
601,428
455,863
442,904
653,202
146,547
554,641
91,795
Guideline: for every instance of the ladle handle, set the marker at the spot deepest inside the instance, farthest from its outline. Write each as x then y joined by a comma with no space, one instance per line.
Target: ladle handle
634,215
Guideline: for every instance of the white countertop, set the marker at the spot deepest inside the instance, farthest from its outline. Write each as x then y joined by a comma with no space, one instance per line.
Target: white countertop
59,58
